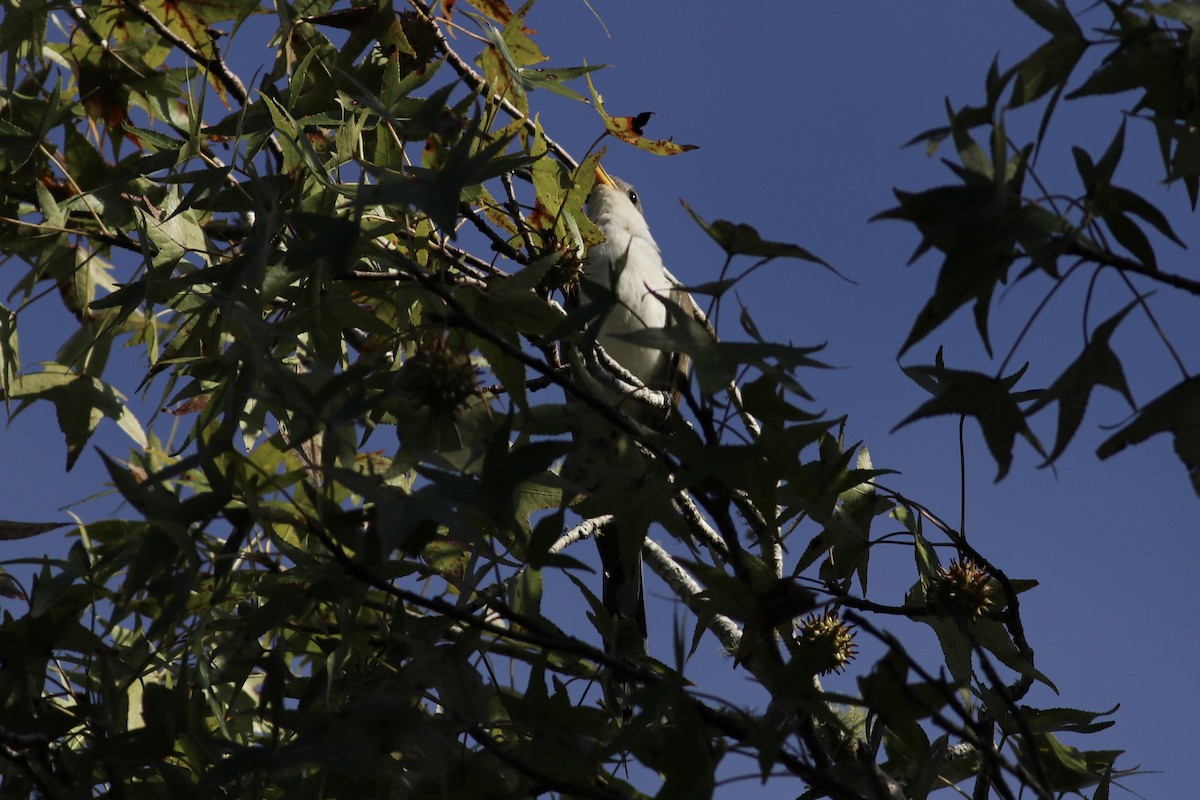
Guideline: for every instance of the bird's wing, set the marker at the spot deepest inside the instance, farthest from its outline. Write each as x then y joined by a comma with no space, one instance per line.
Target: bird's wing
681,363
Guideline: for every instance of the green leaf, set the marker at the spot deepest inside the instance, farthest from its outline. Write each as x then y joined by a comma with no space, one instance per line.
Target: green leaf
10,529
10,587
1096,366
1068,769
80,402
1054,18
1141,62
10,352
553,78
1048,68
173,232
740,239
956,648
439,192
978,236
901,704
1072,720
1136,204
987,399
716,362
1176,411
994,637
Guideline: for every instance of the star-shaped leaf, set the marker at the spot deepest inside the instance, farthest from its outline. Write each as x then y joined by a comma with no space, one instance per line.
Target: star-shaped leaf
740,239
1176,411
1096,366
80,402
989,400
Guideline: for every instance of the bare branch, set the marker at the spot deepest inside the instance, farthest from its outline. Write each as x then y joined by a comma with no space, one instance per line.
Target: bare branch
700,527
686,588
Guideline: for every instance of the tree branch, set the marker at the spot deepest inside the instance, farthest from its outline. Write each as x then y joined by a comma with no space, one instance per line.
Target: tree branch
213,64
480,86
1108,259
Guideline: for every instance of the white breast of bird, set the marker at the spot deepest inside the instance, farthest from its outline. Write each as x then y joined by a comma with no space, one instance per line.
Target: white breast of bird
629,263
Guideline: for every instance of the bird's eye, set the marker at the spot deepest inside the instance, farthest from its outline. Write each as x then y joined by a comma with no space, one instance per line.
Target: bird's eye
633,198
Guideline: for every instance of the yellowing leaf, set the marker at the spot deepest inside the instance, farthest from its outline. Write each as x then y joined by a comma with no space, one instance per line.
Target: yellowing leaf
629,129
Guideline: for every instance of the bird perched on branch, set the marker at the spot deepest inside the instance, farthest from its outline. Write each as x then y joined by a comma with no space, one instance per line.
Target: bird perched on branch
629,265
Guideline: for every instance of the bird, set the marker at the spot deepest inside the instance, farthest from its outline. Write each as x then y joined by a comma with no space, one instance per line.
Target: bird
629,264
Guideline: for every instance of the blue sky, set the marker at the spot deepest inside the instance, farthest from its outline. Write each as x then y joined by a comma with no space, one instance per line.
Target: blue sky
800,110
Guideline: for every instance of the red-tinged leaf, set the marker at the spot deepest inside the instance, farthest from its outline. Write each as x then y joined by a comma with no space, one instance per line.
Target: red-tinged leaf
629,129
450,558
193,405
190,18
987,399
104,86
494,9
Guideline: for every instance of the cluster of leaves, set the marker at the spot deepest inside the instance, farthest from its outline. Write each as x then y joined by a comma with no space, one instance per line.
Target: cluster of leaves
347,291
991,229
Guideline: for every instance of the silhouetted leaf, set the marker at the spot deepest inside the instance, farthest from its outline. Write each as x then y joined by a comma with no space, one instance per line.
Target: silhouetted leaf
989,400
740,239
10,529
1176,411
1096,366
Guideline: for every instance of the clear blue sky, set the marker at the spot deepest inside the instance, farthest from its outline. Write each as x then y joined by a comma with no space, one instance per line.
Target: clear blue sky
800,110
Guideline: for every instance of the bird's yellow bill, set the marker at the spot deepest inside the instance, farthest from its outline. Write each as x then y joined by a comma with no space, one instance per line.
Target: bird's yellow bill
603,178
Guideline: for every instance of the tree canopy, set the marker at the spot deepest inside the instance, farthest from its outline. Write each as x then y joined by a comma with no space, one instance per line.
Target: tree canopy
352,558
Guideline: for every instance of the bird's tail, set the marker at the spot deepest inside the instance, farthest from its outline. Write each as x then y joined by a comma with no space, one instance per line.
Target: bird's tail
623,591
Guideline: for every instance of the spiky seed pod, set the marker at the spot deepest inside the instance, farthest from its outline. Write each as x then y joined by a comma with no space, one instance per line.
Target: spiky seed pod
565,274
962,590
421,37
440,377
831,638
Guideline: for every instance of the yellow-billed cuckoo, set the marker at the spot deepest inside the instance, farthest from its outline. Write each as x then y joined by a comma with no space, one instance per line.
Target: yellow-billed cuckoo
629,264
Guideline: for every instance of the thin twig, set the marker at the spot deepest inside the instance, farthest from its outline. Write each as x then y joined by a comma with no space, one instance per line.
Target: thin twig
499,244
701,529
214,64
752,425
614,377
514,210
1109,259
480,86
